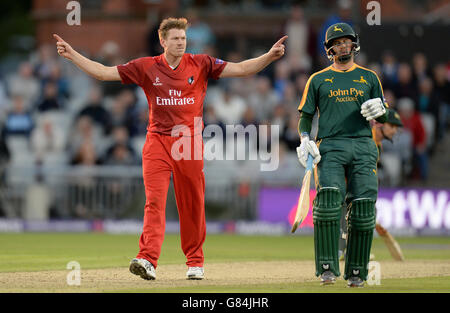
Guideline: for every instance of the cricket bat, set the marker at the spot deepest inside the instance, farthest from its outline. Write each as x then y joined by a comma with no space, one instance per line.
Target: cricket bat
303,200
391,243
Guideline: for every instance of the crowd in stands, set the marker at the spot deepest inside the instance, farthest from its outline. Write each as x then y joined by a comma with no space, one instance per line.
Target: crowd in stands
51,113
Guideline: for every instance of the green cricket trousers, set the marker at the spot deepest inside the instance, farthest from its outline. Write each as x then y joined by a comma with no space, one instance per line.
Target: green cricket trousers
349,164
346,174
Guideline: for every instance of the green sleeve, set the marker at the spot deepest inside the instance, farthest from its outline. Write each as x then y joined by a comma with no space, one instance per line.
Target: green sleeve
305,123
308,101
377,92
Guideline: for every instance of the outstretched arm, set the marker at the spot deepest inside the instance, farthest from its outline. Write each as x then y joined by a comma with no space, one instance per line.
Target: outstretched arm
255,65
92,68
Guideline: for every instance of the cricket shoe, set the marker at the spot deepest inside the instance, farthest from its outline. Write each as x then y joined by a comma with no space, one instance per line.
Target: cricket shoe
355,282
195,273
143,268
327,278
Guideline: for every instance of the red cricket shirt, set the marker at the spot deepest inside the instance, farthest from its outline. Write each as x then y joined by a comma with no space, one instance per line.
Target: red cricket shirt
175,96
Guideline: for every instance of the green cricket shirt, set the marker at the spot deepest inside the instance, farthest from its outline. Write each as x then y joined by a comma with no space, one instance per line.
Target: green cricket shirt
337,96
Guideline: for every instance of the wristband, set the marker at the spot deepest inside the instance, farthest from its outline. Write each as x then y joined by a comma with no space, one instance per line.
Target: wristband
304,134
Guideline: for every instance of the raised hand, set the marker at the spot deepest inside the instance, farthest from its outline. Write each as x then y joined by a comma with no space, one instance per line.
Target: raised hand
277,50
63,48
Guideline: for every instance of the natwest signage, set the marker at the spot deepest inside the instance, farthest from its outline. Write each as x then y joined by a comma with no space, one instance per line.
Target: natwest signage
397,209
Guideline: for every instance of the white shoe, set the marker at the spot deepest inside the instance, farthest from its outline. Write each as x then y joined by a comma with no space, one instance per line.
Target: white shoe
195,273
143,268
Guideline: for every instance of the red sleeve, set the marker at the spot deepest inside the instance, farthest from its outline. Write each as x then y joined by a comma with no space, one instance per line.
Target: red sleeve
214,66
133,72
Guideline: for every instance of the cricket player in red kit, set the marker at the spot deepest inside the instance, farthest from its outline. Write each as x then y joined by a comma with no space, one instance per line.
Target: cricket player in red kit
175,84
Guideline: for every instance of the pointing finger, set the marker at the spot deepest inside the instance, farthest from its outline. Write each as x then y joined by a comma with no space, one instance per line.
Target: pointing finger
58,38
279,42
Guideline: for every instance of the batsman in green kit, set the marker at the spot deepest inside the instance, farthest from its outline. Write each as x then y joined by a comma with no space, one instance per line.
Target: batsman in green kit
346,98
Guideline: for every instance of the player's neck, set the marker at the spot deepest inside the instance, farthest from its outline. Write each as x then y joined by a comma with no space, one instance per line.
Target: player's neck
172,60
343,66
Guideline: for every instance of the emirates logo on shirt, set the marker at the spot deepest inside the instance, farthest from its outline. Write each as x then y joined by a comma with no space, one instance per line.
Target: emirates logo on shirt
157,82
175,98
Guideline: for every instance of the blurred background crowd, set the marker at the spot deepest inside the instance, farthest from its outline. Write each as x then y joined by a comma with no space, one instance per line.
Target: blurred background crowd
52,115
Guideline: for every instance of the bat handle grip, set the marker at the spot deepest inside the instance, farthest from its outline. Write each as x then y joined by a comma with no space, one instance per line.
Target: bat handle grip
309,162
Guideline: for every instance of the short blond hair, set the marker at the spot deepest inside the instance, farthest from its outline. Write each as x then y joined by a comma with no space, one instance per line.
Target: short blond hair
171,23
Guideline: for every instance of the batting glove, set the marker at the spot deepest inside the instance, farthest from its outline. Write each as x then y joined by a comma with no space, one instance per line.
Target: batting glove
308,147
373,108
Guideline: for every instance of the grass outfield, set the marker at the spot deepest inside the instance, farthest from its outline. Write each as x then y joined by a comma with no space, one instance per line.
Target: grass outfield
267,264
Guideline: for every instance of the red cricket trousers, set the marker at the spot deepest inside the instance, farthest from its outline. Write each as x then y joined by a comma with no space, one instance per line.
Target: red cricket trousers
160,160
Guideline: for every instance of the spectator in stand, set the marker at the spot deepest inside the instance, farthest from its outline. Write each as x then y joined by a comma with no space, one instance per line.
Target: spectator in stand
389,70
229,108
390,98
263,99
47,138
413,123
55,77
120,155
428,106
96,111
442,92
134,115
4,100
279,117
282,77
405,87
420,68
210,117
249,118
19,120
109,53
426,100
25,85
46,57
122,107
290,133
139,126
290,97
85,131
119,137
85,155
300,47
199,35
50,99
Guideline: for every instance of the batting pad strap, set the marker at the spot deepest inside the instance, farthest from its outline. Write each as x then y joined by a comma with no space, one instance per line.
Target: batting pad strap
326,219
361,223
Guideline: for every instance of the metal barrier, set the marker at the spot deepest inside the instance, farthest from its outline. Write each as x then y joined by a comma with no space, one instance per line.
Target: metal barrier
115,192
